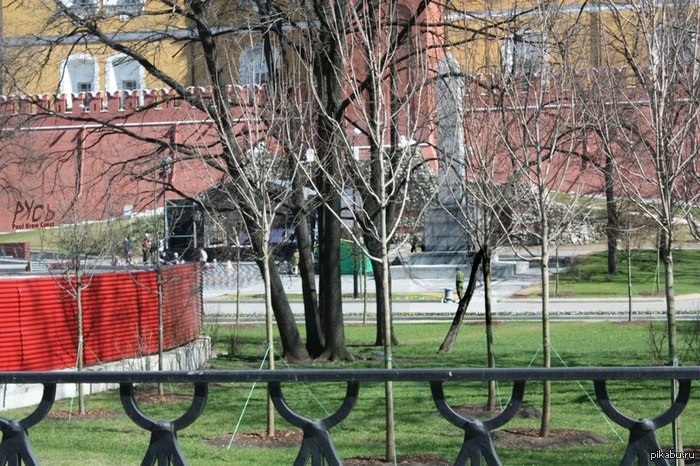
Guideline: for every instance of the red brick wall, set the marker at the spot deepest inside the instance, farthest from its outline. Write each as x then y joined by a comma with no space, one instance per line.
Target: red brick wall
66,165
64,170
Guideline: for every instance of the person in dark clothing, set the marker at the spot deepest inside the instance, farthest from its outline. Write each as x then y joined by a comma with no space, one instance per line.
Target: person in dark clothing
127,249
146,248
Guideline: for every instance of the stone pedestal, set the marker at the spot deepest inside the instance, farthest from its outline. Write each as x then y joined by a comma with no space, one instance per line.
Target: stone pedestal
444,231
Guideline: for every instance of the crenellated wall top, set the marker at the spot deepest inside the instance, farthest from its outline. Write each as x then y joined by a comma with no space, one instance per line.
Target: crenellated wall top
121,103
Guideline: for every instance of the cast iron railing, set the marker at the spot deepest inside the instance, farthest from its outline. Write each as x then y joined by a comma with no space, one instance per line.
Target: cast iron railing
317,444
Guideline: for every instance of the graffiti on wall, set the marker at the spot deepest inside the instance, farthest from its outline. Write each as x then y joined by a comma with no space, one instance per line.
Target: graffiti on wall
32,214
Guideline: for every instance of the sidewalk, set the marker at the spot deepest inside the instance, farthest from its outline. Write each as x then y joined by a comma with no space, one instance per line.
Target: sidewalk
505,305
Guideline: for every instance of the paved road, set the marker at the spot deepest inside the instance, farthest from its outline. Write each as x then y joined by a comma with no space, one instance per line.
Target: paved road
506,307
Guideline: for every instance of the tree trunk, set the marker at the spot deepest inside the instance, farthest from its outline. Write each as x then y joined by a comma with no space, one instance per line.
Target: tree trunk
388,345
266,263
629,278
330,284
330,298
545,421
81,340
292,346
612,227
451,337
315,340
161,345
314,333
374,249
328,67
666,256
488,321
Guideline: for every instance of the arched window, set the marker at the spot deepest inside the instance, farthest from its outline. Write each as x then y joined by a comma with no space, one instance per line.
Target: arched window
84,8
124,74
674,43
78,74
252,66
524,52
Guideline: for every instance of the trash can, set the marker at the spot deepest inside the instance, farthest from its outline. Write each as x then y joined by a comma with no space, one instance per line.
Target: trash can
448,296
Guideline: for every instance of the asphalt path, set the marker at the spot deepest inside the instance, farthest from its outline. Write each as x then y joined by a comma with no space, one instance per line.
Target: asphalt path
220,306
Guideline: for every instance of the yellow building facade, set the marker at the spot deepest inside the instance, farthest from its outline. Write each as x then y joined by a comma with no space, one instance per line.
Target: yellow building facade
45,52
42,55
494,37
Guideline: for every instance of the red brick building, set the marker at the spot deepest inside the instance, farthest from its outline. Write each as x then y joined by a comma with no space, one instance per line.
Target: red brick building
94,161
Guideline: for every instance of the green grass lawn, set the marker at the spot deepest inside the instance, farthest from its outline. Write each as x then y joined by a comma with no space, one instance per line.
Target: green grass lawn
38,239
49,239
113,440
588,277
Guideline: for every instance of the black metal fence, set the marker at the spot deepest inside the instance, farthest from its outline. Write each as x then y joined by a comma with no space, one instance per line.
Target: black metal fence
317,444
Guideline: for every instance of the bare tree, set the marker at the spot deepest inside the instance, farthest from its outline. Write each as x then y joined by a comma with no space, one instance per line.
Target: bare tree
634,232
368,166
480,211
82,249
538,107
657,115
325,67
598,92
264,172
257,187
211,33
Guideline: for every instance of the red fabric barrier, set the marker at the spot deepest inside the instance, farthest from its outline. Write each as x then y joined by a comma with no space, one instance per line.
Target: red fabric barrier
39,324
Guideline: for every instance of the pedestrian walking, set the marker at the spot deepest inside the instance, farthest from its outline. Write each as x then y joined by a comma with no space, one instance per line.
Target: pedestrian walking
295,262
127,249
146,248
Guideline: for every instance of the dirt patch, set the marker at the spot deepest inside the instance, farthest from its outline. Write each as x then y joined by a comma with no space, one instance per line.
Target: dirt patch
651,294
526,439
692,454
148,395
242,325
409,460
259,438
90,414
293,438
167,399
563,294
631,322
481,412
529,438
532,291
483,322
